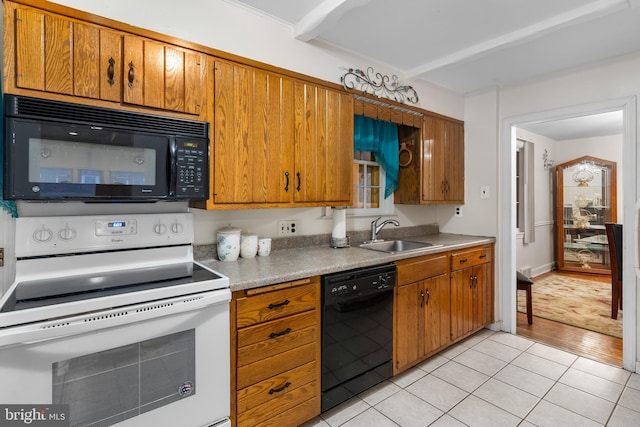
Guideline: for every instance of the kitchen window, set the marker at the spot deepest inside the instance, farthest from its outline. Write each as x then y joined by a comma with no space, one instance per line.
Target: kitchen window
368,181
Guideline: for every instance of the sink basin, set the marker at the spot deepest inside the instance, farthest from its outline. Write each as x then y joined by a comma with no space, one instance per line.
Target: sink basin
394,246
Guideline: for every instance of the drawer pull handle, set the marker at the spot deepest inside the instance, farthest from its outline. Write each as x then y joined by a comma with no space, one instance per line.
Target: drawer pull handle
278,305
462,261
278,390
483,256
279,334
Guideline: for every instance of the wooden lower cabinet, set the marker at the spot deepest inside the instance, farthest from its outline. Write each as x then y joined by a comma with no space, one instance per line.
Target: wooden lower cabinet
440,299
471,290
276,354
422,307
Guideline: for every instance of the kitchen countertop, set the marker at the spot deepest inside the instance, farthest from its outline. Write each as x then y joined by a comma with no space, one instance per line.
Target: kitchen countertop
294,264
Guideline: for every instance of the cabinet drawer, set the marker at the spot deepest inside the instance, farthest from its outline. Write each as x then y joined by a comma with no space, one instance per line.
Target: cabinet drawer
415,269
276,387
470,258
274,365
270,338
274,305
291,410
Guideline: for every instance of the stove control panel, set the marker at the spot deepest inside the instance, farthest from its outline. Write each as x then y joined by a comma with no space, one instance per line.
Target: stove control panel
37,236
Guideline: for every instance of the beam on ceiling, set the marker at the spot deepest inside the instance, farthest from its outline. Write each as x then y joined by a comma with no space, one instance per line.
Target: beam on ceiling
322,17
584,13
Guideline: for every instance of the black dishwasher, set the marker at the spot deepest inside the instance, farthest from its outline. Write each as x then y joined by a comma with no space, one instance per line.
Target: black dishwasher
357,331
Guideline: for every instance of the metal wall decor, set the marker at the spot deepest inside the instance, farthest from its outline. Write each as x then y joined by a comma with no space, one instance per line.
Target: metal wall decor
379,85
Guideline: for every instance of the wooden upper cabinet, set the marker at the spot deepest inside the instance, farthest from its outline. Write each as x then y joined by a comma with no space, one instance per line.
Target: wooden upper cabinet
253,136
57,55
323,144
162,76
443,164
434,157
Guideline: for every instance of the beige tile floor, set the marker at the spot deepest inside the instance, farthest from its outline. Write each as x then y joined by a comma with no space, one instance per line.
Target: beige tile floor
496,379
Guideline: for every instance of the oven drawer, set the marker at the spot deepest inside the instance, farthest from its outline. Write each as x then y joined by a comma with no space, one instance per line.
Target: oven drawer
470,258
274,305
271,338
275,388
414,269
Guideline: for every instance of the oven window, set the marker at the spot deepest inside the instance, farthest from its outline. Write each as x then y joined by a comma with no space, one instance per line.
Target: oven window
111,386
54,161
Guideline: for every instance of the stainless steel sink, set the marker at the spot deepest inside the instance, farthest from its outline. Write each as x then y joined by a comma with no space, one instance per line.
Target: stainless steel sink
394,246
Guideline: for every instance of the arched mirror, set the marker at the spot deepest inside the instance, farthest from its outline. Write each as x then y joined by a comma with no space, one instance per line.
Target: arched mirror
586,199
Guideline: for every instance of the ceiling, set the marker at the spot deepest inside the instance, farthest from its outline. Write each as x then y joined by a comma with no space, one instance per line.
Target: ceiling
465,45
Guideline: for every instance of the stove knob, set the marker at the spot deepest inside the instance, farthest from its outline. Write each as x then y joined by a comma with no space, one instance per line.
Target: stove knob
42,235
160,228
177,228
67,233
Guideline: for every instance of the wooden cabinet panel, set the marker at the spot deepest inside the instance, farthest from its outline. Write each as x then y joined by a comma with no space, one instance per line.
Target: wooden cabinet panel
471,290
422,309
58,58
409,325
275,337
436,174
30,49
323,144
423,267
437,311
253,142
470,258
274,305
443,167
281,362
276,354
57,55
161,76
261,392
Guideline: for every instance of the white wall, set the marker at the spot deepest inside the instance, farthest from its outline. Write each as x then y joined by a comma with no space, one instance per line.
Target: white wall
539,254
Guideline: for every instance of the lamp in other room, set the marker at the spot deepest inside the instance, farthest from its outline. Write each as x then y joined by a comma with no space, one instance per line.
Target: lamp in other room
546,161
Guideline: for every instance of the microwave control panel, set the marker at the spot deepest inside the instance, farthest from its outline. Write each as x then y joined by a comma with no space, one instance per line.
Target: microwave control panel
191,168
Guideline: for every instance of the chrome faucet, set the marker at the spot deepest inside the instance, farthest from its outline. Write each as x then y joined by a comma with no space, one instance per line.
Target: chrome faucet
375,228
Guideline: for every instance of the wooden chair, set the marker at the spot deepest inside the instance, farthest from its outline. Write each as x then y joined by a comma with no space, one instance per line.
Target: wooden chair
523,283
614,239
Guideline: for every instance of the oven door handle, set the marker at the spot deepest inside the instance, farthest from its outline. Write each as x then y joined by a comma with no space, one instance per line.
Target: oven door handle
45,331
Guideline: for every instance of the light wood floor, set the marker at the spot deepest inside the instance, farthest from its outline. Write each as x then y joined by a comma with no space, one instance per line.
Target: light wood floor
592,345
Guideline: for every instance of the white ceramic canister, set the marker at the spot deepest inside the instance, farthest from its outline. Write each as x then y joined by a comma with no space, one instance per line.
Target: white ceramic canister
264,247
228,243
248,245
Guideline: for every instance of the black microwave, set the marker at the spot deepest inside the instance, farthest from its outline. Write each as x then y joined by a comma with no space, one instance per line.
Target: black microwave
61,151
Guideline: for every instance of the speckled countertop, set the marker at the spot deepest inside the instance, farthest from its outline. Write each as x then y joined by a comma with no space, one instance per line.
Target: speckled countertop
284,265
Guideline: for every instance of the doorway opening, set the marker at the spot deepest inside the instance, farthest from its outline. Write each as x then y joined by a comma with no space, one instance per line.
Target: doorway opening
544,229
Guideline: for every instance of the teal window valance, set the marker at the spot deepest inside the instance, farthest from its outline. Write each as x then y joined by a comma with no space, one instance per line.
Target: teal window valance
380,138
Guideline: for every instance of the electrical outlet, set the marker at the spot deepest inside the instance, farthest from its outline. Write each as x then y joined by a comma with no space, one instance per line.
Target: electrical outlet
458,211
286,227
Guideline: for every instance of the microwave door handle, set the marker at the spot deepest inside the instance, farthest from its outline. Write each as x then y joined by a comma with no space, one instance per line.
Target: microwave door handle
173,165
